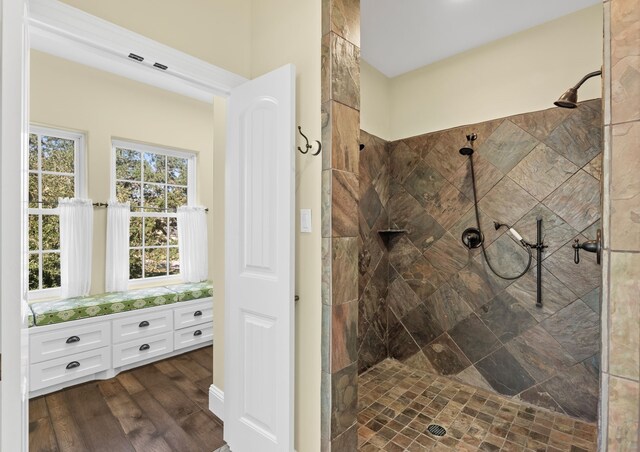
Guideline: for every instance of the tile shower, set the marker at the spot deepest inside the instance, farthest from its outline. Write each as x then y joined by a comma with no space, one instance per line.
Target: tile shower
431,304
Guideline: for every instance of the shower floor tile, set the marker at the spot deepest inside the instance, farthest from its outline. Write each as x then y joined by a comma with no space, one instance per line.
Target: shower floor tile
397,404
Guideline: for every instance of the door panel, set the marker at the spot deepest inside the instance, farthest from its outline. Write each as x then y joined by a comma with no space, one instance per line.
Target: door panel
259,264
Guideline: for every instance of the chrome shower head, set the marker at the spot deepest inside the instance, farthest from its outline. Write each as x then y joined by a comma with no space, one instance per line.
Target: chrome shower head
570,98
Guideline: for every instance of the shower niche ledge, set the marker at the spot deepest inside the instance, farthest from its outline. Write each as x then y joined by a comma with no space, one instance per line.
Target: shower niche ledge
388,235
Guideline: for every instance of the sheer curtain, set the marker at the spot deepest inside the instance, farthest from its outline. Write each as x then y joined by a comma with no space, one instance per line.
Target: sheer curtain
117,265
192,243
76,242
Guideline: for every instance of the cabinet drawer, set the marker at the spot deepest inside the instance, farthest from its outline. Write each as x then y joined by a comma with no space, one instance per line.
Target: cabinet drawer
194,314
59,370
193,335
142,325
141,349
67,341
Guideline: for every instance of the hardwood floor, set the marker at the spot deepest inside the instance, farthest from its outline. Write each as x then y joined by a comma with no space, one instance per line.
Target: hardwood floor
160,407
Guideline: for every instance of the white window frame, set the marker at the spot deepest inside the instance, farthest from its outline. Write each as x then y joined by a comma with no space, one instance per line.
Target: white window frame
80,191
191,196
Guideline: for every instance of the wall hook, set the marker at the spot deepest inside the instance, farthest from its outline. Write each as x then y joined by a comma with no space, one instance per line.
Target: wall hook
307,145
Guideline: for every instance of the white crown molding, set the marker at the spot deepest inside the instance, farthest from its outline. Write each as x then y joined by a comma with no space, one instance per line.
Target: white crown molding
67,32
216,401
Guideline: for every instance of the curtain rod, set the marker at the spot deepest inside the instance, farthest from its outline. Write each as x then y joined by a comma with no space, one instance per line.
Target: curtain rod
104,204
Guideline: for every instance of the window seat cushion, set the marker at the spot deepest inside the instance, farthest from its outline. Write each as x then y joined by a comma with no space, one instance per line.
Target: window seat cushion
58,311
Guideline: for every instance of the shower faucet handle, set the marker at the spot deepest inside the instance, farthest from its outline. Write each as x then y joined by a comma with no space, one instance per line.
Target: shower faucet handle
592,246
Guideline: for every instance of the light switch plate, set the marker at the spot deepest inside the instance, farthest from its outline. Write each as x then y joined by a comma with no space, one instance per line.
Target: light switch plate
305,220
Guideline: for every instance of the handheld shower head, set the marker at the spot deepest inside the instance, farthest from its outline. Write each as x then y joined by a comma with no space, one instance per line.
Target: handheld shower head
468,149
570,98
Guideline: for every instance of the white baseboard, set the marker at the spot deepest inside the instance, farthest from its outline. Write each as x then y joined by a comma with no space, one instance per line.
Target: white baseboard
216,401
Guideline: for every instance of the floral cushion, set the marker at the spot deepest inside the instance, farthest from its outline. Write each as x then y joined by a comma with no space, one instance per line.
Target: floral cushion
58,311
192,291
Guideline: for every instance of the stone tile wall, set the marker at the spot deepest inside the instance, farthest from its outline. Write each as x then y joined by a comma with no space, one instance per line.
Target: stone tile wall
340,91
620,388
373,262
448,314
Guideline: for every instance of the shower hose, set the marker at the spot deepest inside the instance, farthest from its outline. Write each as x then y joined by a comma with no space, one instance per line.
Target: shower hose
484,251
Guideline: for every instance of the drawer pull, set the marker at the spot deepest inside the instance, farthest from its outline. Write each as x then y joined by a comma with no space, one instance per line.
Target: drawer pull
145,347
143,324
197,313
73,339
73,365
197,333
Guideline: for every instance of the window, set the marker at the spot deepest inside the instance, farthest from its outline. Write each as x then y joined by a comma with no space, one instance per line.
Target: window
155,181
55,163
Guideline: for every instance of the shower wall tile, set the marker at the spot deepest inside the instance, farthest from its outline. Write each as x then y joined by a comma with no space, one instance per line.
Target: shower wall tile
507,146
474,338
582,278
344,202
343,18
345,72
438,287
542,171
445,356
504,373
576,391
507,202
541,123
623,414
625,188
625,65
624,308
344,267
340,137
576,328
539,353
577,201
579,137
594,167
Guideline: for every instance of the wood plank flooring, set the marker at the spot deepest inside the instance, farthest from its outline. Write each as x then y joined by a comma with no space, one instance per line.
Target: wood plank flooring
160,407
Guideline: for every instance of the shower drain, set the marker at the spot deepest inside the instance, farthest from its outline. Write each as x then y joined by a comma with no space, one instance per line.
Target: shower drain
436,430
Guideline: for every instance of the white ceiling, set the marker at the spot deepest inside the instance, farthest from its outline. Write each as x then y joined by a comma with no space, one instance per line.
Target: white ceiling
399,36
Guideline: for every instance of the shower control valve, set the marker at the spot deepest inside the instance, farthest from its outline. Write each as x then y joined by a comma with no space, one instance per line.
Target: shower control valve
592,246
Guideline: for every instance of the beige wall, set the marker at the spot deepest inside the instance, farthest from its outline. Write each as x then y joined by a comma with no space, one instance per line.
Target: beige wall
101,105
375,101
289,31
216,31
525,72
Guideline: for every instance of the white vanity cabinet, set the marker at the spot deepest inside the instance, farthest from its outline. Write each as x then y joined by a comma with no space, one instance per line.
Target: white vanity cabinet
98,348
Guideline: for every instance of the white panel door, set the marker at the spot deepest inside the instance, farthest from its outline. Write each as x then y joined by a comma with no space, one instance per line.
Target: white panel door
259,263
14,336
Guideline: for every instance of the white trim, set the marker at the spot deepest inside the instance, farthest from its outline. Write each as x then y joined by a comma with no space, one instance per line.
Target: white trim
68,32
155,281
216,401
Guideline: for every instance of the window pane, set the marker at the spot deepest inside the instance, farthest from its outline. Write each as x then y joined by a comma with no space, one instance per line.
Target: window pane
176,197
33,232
173,231
135,264
57,154
135,231
34,265
128,191
174,261
128,164
54,187
155,263
155,168
50,232
50,270
177,171
154,196
155,231
33,190
33,151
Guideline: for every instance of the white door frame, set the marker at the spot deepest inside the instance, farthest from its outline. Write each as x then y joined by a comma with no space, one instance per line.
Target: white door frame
61,30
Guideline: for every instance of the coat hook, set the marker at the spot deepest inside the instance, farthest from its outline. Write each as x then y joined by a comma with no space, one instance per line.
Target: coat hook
307,146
